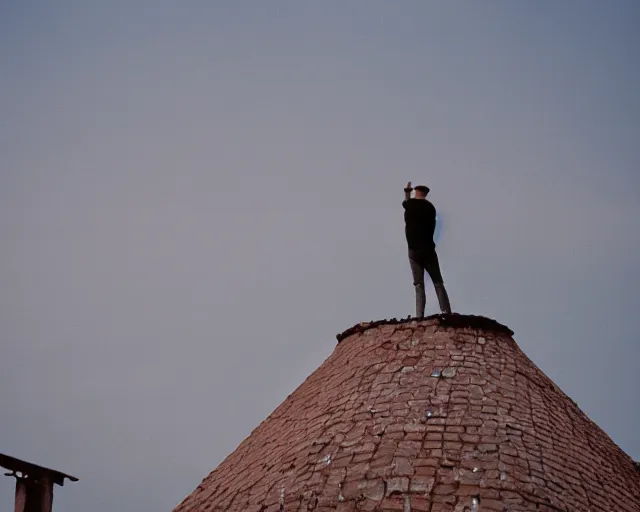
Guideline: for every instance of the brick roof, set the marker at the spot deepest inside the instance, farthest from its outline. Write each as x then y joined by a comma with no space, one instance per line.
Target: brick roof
444,414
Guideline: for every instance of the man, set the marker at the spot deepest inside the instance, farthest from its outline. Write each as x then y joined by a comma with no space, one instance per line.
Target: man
420,223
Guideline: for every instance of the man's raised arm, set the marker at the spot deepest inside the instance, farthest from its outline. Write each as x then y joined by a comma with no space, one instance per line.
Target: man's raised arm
407,191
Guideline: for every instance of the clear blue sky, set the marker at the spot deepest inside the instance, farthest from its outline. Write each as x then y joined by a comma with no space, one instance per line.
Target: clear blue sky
196,196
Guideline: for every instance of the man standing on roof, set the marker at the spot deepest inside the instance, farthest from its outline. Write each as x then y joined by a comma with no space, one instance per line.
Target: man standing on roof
420,223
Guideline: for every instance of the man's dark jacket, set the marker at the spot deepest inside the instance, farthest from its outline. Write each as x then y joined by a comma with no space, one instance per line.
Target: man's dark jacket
420,223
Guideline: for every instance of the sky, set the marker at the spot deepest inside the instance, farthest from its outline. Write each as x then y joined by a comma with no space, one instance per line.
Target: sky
195,197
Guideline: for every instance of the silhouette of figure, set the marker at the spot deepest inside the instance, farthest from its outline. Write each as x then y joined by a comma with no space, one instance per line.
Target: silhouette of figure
420,223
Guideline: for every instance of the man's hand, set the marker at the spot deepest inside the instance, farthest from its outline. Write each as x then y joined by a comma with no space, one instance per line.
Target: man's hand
407,191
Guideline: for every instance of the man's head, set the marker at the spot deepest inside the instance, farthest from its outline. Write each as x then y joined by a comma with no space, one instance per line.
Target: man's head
421,191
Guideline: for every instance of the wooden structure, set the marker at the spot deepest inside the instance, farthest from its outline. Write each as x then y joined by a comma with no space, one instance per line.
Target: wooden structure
34,484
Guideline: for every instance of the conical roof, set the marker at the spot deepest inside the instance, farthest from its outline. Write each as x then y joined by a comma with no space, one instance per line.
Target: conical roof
442,414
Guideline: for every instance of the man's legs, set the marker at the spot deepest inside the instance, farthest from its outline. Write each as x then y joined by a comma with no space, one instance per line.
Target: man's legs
432,266
417,270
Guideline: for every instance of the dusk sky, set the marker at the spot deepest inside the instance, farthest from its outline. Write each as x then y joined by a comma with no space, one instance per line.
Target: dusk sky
195,197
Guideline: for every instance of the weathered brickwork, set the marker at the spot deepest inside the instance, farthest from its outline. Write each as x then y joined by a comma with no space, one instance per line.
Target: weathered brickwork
424,416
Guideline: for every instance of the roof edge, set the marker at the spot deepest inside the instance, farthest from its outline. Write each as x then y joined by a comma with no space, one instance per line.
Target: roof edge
454,320
15,465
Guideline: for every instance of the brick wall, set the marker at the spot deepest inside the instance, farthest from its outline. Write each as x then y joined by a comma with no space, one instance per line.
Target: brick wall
424,416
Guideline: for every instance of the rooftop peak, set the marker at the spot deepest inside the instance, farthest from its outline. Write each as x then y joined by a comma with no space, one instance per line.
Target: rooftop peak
453,320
